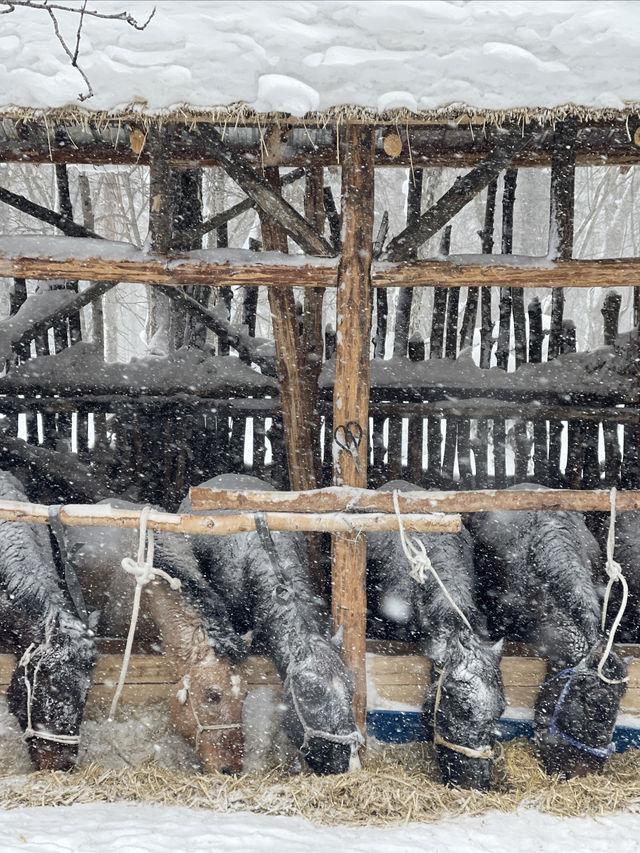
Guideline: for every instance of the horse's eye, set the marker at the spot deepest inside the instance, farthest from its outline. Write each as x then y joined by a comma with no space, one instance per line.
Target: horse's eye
212,695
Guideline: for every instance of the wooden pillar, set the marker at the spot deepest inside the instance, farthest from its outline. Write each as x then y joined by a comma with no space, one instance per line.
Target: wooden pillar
351,395
160,214
563,173
312,335
295,410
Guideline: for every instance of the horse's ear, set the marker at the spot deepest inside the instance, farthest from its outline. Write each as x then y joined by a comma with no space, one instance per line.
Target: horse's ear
338,638
93,620
496,648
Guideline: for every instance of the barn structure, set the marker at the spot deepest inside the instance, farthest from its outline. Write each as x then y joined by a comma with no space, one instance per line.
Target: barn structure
290,94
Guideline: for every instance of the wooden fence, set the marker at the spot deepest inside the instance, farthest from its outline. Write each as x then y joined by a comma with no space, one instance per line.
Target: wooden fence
153,448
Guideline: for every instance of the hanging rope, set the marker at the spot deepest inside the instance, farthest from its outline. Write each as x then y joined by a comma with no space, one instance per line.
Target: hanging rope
25,660
419,561
184,696
614,573
143,571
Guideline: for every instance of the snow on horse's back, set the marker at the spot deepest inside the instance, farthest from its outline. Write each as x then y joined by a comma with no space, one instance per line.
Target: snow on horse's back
267,590
536,583
466,700
54,649
206,704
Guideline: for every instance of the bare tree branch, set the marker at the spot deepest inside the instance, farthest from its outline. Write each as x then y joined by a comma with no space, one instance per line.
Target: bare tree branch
51,8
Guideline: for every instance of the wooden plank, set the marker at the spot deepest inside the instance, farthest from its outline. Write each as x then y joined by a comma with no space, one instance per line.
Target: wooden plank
85,259
351,397
89,515
351,499
402,678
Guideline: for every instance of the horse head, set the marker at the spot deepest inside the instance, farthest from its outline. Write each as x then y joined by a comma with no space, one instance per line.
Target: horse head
462,709
207,706
575,714
49,689
318,693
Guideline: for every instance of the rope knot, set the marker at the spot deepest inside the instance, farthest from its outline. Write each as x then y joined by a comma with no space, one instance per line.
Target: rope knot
143,570
614,573
419,562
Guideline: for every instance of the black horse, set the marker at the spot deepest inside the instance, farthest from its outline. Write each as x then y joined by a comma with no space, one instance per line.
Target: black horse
463,706
264,581
535,581
627,553
55,650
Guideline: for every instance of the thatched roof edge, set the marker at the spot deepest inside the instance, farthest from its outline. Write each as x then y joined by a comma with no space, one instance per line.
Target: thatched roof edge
242,114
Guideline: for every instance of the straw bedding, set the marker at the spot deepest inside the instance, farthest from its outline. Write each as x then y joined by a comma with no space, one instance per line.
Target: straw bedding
396,784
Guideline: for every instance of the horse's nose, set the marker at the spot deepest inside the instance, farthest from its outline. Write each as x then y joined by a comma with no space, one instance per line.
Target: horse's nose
228,771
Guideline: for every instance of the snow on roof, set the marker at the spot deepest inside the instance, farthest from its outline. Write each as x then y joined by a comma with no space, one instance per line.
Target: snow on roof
305,58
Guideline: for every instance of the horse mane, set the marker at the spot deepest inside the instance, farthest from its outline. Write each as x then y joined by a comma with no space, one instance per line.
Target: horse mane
27,569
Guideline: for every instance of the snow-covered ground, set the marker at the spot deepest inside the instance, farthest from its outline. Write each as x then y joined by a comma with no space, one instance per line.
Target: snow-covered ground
301,57
105,828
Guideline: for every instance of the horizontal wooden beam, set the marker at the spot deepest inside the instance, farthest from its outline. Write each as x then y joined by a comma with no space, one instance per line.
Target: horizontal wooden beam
88,515
79,259
348,499
423,144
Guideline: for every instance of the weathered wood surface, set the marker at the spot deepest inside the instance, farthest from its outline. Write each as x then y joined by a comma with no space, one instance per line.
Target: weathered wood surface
104,515
465,187
268,200
351,398
433,143
342,499
121,262
291,359
40,326
398,672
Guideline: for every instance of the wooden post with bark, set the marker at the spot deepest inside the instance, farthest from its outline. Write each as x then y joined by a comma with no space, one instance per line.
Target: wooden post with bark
351,396
563,173
295,412
563,168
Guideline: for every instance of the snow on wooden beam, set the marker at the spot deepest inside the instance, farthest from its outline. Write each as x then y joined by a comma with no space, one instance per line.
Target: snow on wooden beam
349,499
105,515
80,259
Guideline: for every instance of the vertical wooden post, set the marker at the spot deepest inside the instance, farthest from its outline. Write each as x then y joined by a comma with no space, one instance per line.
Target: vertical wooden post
312,345
160,310
563,173
351,395
295,412
405,297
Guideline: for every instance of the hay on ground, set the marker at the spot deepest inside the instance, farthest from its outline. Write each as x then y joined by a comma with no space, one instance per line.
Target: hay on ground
395,785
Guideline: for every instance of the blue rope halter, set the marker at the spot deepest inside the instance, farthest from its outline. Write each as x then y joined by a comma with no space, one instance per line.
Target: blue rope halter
552,729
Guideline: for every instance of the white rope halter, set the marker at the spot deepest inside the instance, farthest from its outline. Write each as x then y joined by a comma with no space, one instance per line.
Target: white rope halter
143,571
419,561
481,752
614,573
353,739
184,695
25,660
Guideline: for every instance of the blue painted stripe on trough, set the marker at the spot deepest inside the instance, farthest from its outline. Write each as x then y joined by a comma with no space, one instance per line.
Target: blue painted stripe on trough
405,726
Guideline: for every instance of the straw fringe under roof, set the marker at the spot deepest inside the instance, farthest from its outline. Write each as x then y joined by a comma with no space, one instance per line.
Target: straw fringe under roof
242,114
